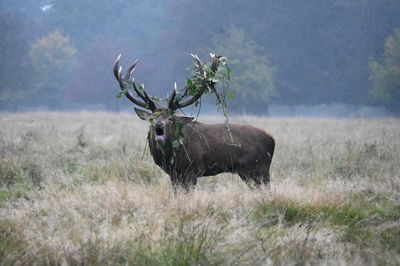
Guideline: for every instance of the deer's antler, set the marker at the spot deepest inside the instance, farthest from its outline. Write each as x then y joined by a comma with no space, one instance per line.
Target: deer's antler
204,83
147,102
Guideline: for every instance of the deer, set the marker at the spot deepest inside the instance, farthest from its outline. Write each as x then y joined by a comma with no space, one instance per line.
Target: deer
203,149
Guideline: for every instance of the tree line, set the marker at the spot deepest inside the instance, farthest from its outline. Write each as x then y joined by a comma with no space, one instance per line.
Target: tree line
59,54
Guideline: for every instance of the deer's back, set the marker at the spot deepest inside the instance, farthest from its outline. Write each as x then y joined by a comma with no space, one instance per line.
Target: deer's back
232,147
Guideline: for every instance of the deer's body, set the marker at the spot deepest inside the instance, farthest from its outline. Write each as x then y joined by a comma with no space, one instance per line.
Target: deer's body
213,149
203,150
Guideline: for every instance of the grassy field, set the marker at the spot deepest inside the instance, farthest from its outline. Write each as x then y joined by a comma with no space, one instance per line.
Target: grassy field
80,188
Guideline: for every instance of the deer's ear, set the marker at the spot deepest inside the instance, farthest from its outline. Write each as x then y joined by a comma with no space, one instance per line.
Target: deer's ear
143,114
184,119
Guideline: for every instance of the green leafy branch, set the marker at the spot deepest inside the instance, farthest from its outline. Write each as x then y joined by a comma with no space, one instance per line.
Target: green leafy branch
179,136
216,74
128,86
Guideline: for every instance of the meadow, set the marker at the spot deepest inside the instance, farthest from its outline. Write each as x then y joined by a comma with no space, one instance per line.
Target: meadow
81,188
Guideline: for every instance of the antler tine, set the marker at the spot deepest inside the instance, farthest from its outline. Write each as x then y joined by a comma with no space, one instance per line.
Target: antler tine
197,59
150,103
129,72
204,84
142,94
145,94
132,68
120,73
138,92
171,102
117,69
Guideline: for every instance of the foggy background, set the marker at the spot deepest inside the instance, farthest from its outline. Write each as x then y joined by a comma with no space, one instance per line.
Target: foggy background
319,58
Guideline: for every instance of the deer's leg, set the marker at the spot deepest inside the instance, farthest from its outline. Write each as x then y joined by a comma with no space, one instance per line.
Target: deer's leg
265,178
244,177
260,175
256,178
175,181
189,183
251,180
184,182
175,185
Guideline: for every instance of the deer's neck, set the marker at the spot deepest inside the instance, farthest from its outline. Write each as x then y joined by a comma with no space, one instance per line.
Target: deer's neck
162,154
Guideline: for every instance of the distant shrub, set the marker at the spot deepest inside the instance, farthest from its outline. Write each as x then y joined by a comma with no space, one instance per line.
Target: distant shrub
385,74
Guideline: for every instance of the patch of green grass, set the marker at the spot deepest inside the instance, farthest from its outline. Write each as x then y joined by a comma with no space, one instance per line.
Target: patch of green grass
140,172
14,192
10,173
15,181
356,219
269,213
69,164
33,172
12,245
390,238
189,242
361,219
171,252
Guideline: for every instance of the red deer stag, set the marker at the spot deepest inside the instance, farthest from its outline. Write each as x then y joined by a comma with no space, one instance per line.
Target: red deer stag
206,150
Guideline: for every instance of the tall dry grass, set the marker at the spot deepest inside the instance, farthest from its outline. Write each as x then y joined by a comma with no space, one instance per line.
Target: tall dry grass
80,188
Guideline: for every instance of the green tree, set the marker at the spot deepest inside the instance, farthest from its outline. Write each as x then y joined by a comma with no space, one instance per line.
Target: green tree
53,60
386,75
252,73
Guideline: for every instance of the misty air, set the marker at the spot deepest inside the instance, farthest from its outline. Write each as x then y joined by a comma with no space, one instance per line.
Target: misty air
191,132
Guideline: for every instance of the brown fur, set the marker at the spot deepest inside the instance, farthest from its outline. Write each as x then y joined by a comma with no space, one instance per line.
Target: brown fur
213,149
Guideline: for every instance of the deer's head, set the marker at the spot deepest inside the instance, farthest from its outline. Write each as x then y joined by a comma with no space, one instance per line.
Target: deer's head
164,125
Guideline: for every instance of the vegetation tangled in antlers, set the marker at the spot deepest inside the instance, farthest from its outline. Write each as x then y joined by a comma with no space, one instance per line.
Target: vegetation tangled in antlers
205,78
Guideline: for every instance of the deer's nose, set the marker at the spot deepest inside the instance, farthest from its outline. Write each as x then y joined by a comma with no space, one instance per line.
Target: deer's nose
159,124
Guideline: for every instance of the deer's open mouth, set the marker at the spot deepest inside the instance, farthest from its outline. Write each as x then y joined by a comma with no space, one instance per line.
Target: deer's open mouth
159,132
